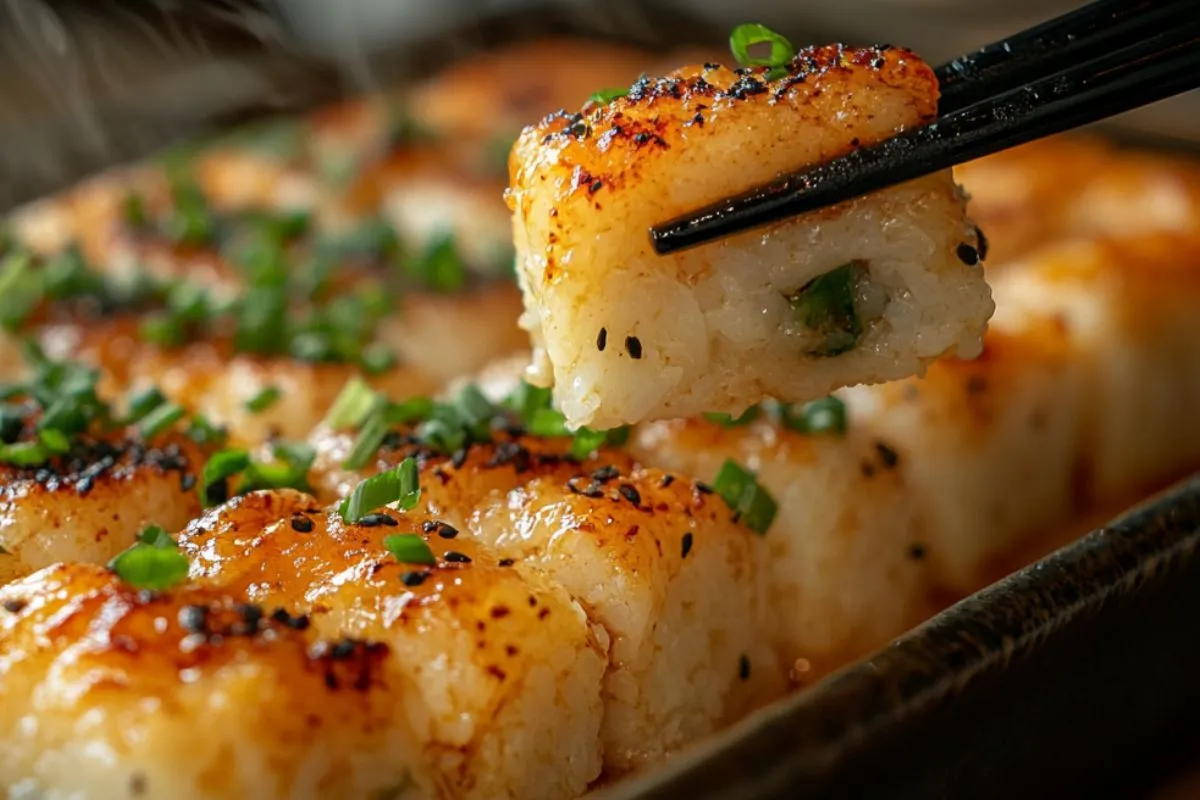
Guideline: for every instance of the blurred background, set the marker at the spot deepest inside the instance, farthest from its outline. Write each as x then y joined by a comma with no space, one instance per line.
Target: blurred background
89,83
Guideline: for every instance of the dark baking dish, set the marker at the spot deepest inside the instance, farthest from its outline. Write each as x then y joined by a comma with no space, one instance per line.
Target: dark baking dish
1073,676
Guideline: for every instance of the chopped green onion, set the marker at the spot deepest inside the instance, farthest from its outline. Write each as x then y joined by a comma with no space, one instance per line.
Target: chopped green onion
288,471
12,421
160,419
264,399
586,442
370,436
547,422
411,410
162,329
729,421
133,210
440,267
261,320
739,488
377,358
153,562
190,222
143,403
396,485
746,36
618,437
825,306
67,275
20,289
55,441
201,431
24,454
606,96
827,415
409,548
214,482
351,406
473,407
526,400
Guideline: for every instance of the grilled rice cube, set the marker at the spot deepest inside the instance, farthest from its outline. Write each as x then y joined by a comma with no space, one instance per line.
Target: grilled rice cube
108,691
663,567
871,290
505,668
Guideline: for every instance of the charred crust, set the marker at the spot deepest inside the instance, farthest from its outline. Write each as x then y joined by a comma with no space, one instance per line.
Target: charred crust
349,663
92,461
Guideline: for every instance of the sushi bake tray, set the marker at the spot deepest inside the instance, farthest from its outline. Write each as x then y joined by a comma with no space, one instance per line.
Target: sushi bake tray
1074,673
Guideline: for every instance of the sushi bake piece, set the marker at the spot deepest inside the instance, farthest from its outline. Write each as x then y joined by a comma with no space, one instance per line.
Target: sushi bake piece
658,562
501,667
871,290
80,478
108,691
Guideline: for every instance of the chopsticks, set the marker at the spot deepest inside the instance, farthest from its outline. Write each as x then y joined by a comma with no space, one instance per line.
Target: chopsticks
1107,58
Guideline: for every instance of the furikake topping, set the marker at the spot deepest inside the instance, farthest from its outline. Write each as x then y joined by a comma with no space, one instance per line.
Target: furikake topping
746,36
399,485
825,308
751,503
153,562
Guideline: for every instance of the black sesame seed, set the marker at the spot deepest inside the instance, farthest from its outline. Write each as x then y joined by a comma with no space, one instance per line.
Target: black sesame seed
447,531
455,557
916,551
629,493
744,668
251,614
429,526
15,605
606,474
413,578
602,339
375,520
887,455
506,562
981,244
687,544
301,524
967,254
192,618
595,186
187,482
667,480
343,649
633,346
85,484
459,458
298,622
703,488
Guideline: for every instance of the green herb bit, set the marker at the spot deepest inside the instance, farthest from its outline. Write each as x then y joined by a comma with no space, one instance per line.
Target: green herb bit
729,421
548,423
587,441
203,432
143,403
20,289
264,399
825,306
162,329
159,420
289,470
190,222
827,415
377,358
262,321
67,275
370,436
746,36
214,481
740,489
153,562
54,441
409,548
352,405
133,211
399,485
526,400
12,422
24,454
439,266
414,409
606,96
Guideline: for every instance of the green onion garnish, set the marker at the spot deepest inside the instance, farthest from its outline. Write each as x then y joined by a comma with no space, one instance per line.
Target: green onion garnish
153,562
377,358
289,470
746,36
409,548
201,431
20,289
548,423
606,96
399,485
214,482
54,441
526,400
827,415
439,267
825,306
586,442
162,329
265,398
159,420
351,406
370,437
739,488
413,409
24,454
143,403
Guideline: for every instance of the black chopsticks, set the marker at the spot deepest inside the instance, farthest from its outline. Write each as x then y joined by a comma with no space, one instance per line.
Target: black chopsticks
1104,59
